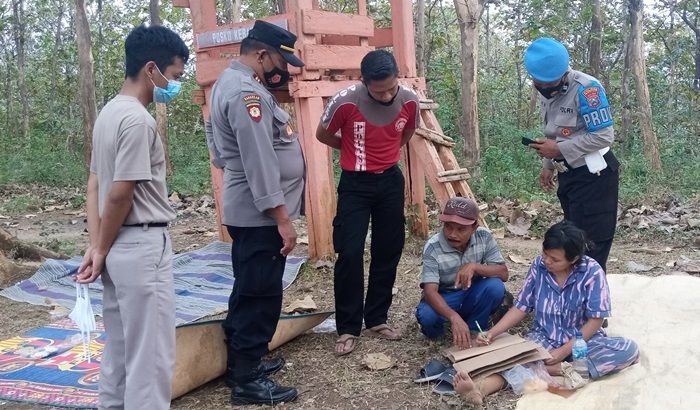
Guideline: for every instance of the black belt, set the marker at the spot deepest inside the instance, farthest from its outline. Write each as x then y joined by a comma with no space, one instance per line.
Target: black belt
150,225
561,165
391,168
609,158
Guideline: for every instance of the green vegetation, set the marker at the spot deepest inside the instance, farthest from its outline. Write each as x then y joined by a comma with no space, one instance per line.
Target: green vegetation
52,152
19,204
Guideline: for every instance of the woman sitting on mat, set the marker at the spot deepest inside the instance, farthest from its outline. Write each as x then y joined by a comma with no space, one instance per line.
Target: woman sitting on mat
567,291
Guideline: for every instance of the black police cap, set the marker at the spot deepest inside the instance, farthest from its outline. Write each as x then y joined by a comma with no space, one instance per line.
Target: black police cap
277,38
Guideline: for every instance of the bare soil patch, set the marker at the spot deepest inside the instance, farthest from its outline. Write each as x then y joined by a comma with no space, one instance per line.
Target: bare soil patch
324,380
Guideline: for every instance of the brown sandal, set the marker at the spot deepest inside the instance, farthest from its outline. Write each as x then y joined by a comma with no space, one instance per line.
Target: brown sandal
380,331
348,342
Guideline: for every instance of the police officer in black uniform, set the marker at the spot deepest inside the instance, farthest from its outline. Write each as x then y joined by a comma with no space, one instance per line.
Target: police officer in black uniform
250,137
578,130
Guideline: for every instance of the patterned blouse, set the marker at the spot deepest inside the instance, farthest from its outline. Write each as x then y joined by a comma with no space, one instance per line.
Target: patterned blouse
560,311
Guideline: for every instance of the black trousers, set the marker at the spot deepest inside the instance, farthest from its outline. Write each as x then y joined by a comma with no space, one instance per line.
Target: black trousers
590,202
256,300
363,196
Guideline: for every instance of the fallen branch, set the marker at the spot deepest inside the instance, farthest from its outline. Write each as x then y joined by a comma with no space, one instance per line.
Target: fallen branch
22,250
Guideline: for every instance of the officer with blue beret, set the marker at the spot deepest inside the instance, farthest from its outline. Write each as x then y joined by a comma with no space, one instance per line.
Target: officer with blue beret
578,130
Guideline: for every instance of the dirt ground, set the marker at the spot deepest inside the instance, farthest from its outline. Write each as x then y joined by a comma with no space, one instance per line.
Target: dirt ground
323,380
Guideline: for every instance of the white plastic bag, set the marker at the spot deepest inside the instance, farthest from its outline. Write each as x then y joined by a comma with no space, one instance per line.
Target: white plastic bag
595,161
531,378
83,316
517,377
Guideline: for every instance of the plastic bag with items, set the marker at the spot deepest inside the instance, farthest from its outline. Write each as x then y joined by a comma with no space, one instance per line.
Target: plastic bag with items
531,378
83,316
42,352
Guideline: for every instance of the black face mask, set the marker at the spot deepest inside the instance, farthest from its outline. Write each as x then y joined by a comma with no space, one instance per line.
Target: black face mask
386,104
276,77
549,92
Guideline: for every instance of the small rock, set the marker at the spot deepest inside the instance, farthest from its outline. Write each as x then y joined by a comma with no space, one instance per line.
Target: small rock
693,223
638,267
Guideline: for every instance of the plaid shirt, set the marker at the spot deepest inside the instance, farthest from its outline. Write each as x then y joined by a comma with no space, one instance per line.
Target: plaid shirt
560,311
441,261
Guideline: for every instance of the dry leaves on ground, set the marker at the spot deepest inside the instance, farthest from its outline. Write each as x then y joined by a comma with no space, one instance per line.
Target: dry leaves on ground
518,259
305,305
378,361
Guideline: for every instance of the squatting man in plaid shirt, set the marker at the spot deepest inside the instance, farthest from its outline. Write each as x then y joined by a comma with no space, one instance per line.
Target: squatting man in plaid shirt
463,275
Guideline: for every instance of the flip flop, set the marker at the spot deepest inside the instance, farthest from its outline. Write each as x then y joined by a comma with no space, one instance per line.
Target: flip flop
376,331
344,340
431,371
445,383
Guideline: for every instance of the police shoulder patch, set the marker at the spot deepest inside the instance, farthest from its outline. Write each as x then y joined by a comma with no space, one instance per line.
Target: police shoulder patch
252,104
594,107
251,98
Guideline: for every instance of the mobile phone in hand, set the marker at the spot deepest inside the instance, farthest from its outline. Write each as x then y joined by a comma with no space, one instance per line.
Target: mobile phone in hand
527,141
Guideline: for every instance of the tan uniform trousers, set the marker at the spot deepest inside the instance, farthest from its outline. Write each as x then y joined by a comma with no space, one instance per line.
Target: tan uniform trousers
139,317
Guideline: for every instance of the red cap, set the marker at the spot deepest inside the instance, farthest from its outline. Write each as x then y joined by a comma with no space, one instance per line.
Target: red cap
460,210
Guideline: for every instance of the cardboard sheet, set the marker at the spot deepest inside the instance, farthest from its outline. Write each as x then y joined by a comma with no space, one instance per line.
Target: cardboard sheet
455,354
496,356
540,354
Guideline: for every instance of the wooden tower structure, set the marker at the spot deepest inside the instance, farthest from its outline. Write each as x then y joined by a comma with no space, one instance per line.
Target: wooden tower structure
332,46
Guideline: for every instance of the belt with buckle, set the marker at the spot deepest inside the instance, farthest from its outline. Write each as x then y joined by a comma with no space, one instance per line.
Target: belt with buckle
560,165
372,172
149,225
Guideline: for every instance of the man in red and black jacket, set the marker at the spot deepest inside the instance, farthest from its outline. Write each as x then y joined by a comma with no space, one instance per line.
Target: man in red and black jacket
374,120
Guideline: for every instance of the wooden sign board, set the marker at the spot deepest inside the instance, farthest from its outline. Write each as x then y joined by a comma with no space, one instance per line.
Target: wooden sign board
231,35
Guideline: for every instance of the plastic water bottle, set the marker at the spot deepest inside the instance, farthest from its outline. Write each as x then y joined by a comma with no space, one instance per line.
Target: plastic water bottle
580,356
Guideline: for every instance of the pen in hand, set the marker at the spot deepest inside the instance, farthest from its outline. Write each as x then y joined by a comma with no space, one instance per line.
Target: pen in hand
483,335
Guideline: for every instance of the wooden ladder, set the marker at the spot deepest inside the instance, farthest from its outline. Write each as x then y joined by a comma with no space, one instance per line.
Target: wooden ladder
430,156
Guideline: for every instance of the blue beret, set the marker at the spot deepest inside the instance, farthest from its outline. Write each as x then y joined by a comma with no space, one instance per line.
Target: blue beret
546,60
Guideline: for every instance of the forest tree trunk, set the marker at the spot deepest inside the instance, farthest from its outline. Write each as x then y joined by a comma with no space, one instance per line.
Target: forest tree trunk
161,109
594,50
636,47
18,28
468,13
88,106
693,25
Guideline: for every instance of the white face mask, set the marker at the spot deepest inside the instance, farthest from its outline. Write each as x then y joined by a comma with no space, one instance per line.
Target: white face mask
83,316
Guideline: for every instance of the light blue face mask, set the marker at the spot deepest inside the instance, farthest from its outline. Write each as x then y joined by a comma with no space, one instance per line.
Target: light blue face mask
165,95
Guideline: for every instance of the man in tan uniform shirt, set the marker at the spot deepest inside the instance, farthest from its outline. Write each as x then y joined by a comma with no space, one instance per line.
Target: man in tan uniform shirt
250,137
128,214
